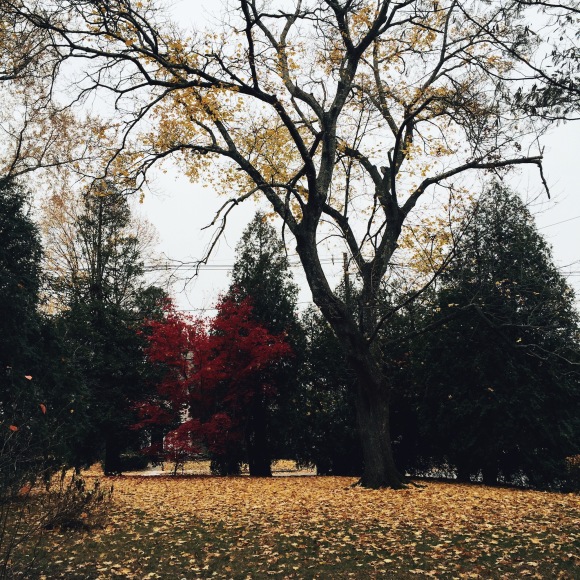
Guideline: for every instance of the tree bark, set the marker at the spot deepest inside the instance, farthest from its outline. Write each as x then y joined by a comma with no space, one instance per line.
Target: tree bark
372,392
112,463
372,405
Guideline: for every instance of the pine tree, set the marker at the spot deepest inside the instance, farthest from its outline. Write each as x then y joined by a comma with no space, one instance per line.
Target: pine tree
500,380
262,274
96,281
34,434
20,255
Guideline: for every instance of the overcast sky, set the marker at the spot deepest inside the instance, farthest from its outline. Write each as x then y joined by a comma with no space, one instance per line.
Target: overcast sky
179,209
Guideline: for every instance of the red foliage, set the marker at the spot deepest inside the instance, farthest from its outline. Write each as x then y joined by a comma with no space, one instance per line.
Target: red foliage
213,370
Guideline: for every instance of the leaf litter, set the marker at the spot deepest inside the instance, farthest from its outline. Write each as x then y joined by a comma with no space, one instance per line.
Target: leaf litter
321,527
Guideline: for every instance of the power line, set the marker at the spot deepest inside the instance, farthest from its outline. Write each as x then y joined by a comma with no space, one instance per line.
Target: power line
190,267
558,223
193,266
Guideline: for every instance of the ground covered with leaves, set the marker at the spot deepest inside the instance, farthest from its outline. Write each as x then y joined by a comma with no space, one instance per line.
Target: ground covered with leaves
318,527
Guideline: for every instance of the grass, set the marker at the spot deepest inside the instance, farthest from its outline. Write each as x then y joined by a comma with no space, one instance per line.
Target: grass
318,527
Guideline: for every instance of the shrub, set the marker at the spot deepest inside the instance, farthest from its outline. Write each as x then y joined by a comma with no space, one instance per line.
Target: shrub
71,505
64,503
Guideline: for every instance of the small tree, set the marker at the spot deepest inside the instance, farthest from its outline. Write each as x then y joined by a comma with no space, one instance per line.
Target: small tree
214,372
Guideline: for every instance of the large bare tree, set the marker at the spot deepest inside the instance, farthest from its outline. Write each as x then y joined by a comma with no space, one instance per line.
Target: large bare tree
335,112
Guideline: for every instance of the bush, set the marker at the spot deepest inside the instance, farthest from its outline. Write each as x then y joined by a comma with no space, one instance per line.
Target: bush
64,503
71,505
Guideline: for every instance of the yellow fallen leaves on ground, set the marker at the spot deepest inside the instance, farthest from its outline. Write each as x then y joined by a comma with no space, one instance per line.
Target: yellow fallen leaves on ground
321,527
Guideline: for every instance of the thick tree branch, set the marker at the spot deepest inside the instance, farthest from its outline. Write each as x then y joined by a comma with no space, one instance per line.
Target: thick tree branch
480,164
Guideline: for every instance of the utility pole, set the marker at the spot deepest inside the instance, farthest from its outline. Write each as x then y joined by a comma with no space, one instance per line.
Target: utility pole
346,279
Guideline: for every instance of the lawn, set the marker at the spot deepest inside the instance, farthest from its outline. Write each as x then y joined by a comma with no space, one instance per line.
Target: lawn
197,526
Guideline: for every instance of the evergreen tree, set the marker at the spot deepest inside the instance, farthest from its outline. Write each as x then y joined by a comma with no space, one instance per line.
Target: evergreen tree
323,424
261,272
35,388
499,380
20,255
97,281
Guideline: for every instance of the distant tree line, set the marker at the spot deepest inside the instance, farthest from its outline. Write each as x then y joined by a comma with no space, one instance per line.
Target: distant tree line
96,364
372,108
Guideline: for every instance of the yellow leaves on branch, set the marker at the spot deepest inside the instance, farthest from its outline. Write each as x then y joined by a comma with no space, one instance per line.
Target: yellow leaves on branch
186,117
440,149
190,117
53,138
498,63
422,38
427,245
271,150
362,20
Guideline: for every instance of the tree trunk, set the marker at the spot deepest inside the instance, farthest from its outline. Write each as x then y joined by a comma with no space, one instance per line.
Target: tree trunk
489,474
112,463
463,474
372,405
259,460
372,391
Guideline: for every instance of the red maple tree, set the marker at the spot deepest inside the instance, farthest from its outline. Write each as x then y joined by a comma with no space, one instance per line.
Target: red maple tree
213,371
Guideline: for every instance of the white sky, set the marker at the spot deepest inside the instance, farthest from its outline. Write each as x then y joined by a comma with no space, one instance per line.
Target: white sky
179,210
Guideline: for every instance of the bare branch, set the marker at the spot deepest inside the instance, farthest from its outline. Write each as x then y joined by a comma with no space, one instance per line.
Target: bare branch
480,164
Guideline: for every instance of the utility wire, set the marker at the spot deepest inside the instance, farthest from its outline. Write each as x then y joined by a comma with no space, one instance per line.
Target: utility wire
558,223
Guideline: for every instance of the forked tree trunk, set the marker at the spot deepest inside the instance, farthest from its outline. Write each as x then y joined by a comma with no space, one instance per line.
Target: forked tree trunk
372,405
